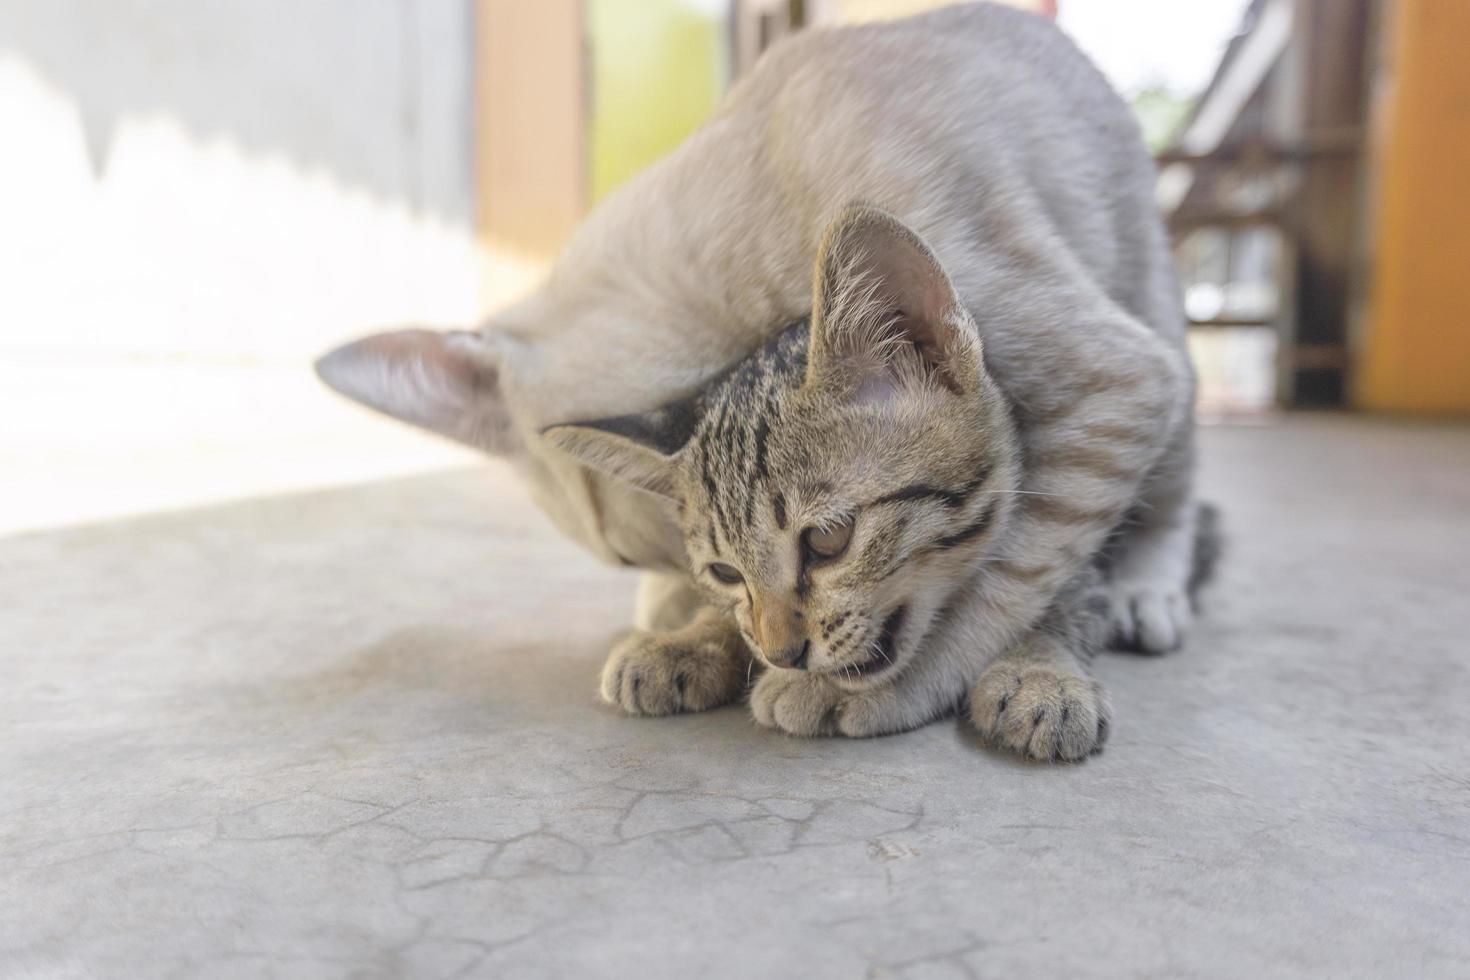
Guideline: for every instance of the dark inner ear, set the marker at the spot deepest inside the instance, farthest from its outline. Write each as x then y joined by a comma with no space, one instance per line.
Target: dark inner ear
639,449
665,429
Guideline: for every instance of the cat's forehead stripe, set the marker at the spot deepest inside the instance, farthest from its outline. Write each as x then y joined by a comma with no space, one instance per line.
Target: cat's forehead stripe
732,442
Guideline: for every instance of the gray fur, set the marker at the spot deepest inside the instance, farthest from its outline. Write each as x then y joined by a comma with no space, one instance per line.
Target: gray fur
994,384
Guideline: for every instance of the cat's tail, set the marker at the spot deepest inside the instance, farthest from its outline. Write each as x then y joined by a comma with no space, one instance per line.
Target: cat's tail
1209,545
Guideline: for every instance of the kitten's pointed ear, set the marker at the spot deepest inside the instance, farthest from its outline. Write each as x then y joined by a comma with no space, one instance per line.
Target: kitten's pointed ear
447,382
882,306
641,449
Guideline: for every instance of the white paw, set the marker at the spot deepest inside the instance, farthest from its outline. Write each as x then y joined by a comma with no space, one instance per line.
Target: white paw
662,674
799,703
1150,618
1040,712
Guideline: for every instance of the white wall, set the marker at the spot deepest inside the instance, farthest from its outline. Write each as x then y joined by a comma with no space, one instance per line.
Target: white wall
195,197
232,178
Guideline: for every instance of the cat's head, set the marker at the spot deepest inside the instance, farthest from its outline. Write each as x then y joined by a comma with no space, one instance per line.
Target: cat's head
836,489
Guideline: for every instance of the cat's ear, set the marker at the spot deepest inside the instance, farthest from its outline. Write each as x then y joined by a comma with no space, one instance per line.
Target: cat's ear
641,449
446,382
882,307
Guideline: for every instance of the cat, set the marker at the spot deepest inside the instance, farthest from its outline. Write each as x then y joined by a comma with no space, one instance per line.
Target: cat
961,456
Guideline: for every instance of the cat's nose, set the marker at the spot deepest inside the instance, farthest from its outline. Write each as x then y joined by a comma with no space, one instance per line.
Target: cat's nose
793,657
780,633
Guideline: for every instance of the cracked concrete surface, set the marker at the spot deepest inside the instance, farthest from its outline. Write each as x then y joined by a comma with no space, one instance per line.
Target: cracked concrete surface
355,734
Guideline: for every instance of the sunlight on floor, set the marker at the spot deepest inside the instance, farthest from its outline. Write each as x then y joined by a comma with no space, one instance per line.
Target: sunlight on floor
93,441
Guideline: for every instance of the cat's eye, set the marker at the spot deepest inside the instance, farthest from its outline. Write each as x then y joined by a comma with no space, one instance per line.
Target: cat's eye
728,574
828,542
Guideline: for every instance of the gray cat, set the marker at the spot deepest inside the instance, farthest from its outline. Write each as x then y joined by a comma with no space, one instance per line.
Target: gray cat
960,458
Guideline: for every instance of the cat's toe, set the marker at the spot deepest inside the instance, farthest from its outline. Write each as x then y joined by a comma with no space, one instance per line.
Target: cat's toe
649,674
635,678
1149,619
795,702
1040,712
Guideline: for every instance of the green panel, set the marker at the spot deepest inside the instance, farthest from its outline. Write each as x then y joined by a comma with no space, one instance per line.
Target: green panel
658,71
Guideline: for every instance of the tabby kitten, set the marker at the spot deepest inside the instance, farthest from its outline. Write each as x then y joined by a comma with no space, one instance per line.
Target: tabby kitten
891,515
840,493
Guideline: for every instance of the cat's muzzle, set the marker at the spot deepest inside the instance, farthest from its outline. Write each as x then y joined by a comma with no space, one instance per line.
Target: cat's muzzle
885,651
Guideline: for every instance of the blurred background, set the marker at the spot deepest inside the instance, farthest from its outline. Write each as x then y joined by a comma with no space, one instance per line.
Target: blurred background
198,196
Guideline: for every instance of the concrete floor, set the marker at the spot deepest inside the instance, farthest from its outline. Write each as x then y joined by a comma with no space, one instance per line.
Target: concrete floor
354,734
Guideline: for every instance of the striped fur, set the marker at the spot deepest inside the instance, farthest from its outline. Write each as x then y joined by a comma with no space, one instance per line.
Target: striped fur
890,436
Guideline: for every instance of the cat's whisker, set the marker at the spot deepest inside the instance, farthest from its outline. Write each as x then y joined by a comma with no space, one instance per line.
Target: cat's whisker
1029,493
975,563
877,649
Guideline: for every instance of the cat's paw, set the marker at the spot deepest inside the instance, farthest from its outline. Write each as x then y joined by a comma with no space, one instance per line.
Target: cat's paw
665,673
799,703
1148,617
1040,712
796,702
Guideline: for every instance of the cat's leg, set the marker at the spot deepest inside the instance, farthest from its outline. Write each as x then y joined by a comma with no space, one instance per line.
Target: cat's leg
1152,559
1039,699
665,602
685,655
1110,436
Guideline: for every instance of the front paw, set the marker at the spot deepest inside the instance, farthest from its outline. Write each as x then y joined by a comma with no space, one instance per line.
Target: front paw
1041,712
796,702
1148,617
665,673
799,703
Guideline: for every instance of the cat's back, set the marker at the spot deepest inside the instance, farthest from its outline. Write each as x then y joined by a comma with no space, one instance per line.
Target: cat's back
985,129
975,66
984,54
978,125
961,111
957,120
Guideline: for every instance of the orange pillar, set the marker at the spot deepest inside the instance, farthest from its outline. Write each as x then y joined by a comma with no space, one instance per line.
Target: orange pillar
1414,354
530,123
